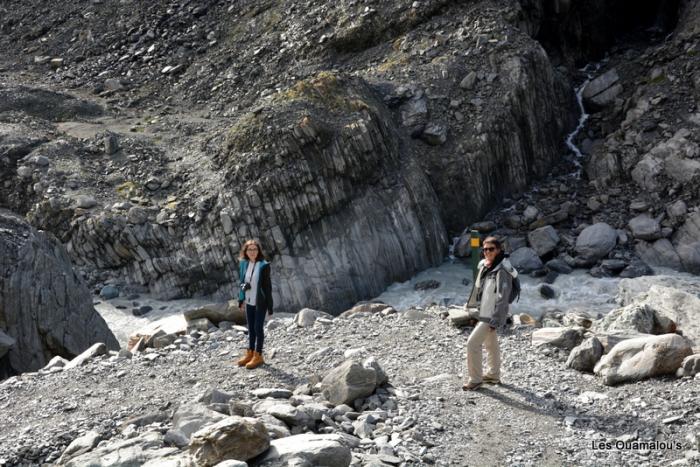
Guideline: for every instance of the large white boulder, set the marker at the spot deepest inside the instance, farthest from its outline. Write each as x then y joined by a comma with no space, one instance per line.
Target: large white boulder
642,358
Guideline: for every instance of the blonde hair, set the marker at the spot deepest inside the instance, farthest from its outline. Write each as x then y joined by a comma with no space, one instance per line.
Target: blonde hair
245,246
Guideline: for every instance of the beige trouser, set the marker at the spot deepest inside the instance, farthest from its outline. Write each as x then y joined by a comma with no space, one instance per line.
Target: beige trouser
483,335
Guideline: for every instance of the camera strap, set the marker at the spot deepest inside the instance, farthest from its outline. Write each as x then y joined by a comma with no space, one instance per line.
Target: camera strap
251,268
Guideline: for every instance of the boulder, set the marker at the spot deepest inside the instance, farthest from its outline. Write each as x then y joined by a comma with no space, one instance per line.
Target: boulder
602,91
307,317
94,351
525,260
372,363
690,257
80,446
364,308
44,305
274,393
644,227
321,450
679,304
646,173
637,317
595,242
347,382
547,291
217,312
238,438
543,240
660,253
109,292
434,134
611,339
462,316
190,418
643,357
564,338
584,356
129,452
289,414
690,365
558,265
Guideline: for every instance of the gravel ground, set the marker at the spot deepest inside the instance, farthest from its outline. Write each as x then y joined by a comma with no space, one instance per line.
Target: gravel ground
542,414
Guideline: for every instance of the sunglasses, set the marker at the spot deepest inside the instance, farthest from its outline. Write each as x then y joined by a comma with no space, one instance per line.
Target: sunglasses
490,248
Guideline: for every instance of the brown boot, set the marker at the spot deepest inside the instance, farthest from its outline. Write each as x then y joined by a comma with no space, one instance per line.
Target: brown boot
256,361
246,358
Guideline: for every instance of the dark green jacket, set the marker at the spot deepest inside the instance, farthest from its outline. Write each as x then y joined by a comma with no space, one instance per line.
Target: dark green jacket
264,297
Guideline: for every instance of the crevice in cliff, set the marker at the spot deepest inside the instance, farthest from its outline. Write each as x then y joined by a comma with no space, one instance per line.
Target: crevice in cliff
577,32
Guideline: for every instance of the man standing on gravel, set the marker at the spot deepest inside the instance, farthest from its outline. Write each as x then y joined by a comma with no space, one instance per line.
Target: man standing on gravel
491,294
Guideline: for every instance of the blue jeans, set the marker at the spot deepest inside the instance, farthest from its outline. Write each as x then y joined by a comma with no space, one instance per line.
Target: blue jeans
256,326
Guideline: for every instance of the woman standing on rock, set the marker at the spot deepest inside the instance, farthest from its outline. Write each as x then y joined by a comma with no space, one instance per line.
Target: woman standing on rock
255,293
491,294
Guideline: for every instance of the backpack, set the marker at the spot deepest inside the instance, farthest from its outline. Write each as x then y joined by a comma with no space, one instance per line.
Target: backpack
514,290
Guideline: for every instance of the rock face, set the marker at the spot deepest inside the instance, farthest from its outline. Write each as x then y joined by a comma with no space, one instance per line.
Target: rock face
44,306
643,357
340,174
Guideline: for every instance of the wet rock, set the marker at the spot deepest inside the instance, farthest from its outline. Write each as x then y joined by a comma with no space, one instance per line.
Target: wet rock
543,240
644,227
558,265
547,291
595,242
525,260
659,253
642,358
109,292
427,285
